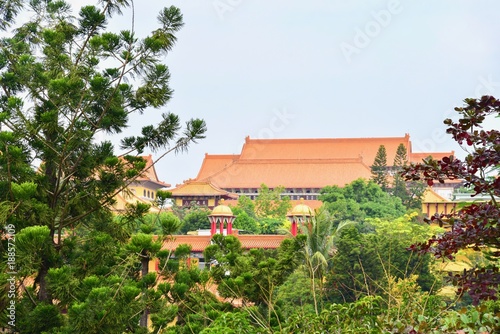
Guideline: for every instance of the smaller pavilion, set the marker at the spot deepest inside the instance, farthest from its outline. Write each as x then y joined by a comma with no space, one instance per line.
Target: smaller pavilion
299,215
221,215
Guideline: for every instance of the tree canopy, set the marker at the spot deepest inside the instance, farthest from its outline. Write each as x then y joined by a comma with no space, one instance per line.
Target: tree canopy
358,200
474,226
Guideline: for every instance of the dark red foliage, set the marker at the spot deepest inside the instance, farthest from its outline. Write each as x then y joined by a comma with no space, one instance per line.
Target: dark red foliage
477,225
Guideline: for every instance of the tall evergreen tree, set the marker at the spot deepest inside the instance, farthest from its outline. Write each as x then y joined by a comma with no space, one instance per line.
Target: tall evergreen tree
399,185
401,158
410,192
65,83
379,168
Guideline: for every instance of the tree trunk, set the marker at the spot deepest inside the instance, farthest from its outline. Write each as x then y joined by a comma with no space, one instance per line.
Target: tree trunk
43,293
144,271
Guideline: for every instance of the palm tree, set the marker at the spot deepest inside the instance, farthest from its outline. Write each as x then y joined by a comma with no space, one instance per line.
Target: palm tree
318,246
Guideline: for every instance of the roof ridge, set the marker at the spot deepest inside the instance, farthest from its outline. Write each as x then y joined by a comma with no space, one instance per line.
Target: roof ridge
209,177
282,140
207,155
297,160
216,155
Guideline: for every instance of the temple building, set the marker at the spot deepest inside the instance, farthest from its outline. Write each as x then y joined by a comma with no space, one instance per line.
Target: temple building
143,189
200,193
302,166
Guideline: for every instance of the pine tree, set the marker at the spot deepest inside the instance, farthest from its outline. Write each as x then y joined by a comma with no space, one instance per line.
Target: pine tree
379,168
410,192
65,83
399,185
401,158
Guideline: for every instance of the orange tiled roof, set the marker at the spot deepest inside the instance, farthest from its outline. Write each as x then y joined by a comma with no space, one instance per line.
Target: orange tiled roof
302,162
197,242
215,162
296,173
418,157
322,148
200,188
200,242
267,241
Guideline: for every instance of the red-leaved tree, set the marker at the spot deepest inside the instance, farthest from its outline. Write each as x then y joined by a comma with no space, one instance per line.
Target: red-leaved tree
476,225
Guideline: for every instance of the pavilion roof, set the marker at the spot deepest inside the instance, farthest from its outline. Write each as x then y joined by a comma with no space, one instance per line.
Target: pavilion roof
200,188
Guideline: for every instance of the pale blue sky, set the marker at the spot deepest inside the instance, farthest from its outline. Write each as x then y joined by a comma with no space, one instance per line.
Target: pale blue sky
307,69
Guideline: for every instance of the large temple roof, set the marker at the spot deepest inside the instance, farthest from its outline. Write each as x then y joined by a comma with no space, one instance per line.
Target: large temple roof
299,173
322,148
302,162
213,163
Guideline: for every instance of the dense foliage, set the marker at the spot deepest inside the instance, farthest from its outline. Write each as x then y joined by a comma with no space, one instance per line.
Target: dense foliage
476,225
358,200
80,269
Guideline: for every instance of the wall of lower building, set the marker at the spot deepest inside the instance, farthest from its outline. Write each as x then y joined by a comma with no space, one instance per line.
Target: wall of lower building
431,208
292,193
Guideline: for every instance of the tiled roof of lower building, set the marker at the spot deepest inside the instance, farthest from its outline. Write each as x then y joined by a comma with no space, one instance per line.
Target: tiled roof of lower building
248,241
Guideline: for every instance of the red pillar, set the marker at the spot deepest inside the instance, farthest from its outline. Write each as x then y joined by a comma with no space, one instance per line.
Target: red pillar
294,227
213,228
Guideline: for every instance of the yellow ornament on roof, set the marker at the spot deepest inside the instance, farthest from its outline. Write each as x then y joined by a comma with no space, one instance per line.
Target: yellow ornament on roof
301,210
221,210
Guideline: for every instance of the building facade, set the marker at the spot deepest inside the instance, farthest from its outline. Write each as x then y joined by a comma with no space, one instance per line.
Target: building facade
301,166
143,189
